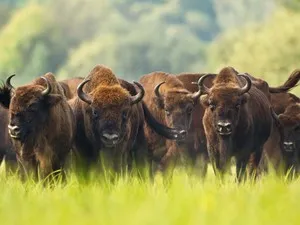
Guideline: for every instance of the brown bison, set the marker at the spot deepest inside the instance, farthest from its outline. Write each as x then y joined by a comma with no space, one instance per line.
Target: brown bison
287,106
6,151
40,124
272,148
237,120
173,105
110,118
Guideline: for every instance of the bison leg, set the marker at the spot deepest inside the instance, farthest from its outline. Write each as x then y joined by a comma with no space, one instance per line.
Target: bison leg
29,168
254,161
241,164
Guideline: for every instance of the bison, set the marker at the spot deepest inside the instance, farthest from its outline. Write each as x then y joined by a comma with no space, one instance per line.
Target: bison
6,151
273,147
173,105
237,121
41,124
287,106
110,118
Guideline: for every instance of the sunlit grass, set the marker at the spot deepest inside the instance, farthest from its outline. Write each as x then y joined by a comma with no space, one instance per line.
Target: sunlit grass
184,200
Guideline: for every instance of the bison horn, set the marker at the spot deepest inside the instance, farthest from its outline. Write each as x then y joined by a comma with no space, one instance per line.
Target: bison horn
48,89
139,96
83,96
8,84
202,88
247,86
156,89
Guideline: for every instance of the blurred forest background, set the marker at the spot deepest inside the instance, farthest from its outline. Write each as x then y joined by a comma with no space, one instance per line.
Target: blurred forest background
134,37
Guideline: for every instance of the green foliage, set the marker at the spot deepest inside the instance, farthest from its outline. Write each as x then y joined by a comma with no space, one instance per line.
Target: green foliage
21,41
270,50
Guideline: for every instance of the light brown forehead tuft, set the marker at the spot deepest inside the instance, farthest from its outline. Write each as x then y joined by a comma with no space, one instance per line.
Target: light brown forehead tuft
110,95
101,75
226,75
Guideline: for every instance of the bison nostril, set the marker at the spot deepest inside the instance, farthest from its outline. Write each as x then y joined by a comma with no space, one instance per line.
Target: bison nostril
224,127
111,137
15,129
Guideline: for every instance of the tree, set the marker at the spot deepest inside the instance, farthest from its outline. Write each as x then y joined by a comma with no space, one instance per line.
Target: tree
270,50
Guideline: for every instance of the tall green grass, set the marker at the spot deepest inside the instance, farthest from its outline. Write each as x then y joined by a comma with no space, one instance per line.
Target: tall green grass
184,200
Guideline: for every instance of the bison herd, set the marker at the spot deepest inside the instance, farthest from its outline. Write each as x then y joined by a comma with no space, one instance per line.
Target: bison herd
161,122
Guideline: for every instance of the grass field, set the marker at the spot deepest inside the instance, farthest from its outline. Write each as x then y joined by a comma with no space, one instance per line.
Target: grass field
185,200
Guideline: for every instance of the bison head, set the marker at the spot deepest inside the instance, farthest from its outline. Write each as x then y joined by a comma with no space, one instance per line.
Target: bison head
28,109
178,105
109,111
290,121
224,103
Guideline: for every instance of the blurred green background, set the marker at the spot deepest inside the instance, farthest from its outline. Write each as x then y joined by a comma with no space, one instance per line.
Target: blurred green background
134,37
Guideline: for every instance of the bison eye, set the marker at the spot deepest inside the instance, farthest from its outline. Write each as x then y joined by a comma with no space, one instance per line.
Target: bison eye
125,114
212,106
167,112
95,114
189,110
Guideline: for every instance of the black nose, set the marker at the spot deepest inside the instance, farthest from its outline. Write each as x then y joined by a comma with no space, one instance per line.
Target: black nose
224,127
289,146
14,131
110,137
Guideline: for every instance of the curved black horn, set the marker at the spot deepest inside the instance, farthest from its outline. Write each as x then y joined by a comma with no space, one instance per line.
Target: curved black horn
48,89
202,87
7,83
139,96
156,89
83,96
247,86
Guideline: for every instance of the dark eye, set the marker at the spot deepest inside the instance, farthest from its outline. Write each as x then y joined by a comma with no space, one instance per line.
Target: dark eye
238,106
95,114
189,110
212,106
125,114
167,112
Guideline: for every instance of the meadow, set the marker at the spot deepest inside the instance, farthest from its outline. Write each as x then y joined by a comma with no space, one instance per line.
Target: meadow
185,200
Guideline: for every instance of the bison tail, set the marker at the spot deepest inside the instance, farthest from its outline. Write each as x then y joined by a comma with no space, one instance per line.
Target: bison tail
291,82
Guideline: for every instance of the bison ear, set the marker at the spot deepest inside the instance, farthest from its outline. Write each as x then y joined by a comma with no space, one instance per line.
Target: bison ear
245,98
53,99
5,96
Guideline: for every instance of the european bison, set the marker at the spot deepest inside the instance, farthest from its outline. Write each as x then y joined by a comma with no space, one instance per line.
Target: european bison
110,119
272,148
40,124
237,121
173,105
287,106
6,151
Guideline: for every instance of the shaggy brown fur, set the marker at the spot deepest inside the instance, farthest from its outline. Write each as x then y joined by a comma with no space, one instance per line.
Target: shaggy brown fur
250,118
45,126
272,148
174,108
110,112
5,142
